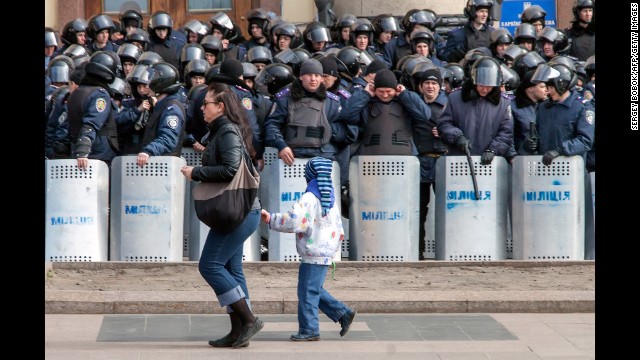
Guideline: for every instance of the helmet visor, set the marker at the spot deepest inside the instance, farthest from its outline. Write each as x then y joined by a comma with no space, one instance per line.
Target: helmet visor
488,76
544,73
389,24
318,35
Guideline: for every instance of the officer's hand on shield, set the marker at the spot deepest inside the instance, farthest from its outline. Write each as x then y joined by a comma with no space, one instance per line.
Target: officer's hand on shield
142,159
530,145
286,155
548,157
83,163
462,143
487,157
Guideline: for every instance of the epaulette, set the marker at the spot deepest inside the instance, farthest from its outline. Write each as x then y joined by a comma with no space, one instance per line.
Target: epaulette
581,99
345,94
241,88
508,96
283,92
456,89
333,96
103,90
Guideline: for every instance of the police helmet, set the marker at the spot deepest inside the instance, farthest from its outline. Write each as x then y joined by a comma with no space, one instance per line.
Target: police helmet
129,52
290,30
195,26
512,51
361,27
138,75
160,19
80,60
564,60
259,54
103,64
211,43
543,74
131,15
415,17
590,66
275,77
500,36
457,76
196,67
222,23
486,72
423,35
532,14
407,67
211,72
98,23
60,67
351,60
50,38
249,71
316,32
557,37
191,51
418,74
563,82
525,32
471,57
75,50
581,72
259,17
70,30
385,22
138,35
118,88
149,58
582,4
525,62
164,78
292,57
510,78
344,21
474,5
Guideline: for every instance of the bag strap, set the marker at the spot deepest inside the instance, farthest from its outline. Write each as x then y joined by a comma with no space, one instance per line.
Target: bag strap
247,157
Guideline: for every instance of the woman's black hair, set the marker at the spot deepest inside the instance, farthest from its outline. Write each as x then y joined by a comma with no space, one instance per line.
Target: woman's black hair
234,111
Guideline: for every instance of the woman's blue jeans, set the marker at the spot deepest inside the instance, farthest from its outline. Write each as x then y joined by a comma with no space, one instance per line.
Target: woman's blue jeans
312,296
221,261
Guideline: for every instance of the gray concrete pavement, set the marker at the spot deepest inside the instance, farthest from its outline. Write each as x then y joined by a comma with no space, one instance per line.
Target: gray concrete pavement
372,336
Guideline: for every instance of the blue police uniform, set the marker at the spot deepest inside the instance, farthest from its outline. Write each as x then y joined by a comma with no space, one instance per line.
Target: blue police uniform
568,125
108,47
251,43
166,138
487,125
465,38
96,109
279,119
395,49
128,137
524,112
170,49
246,99
56,143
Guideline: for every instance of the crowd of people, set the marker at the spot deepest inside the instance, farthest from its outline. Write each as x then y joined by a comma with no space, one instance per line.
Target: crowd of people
387,86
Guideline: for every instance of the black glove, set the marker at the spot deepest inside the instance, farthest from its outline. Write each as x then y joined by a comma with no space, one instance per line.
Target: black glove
462,143
487,157
530,145
548,157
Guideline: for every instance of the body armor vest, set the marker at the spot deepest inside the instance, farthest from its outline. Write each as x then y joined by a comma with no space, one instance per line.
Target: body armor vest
76,111
482,39
152,127
308,125
388,131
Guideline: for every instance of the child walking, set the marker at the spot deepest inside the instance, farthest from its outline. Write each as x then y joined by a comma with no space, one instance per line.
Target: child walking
316,221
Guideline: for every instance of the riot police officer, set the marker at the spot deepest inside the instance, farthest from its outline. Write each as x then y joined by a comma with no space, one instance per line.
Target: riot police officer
99,30
161,40
400,46
92,127
165,131
475,33
582,32
258,29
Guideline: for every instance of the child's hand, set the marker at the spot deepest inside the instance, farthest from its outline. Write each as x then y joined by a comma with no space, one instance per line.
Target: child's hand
265,216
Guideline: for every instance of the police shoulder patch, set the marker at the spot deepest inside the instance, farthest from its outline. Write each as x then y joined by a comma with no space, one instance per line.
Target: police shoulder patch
590,116
582,100
333,96
246,102
101,104
283,92
172,121
344,93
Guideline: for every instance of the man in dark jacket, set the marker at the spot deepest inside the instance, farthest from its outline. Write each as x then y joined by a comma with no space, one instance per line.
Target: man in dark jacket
478,116
582,31
474,34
